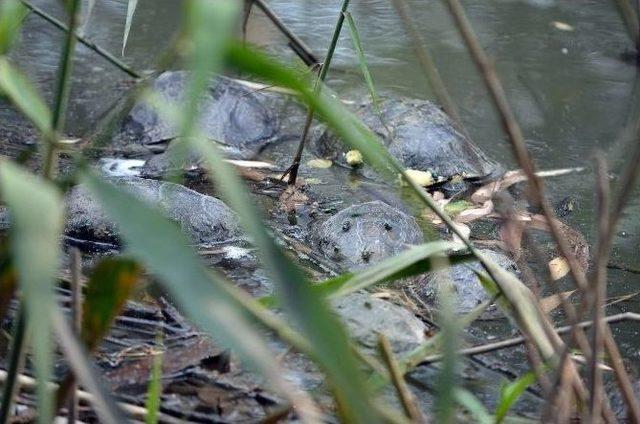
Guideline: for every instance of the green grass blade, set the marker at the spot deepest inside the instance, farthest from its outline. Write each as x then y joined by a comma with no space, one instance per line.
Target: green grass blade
318,324
412,262
473,405
37,216
15,87
12,13
154,391
510,393
320,327
131,9
199,292
397,266
357,44
447,378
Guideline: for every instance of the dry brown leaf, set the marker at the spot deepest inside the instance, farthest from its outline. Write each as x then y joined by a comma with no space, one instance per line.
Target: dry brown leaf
511,234
558,268
291,198
550,303
469,215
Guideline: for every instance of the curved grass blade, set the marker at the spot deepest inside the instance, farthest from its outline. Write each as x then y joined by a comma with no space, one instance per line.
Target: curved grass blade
328,340
12,13
154,391
131,9
399,266
414,261
510,393
198,291
473,405
21,93
357,44
37,216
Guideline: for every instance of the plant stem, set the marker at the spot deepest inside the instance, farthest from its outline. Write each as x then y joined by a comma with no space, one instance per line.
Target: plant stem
76,317
293,169
297,45
16,362
397,377
599,285
62,91
537,191
88,43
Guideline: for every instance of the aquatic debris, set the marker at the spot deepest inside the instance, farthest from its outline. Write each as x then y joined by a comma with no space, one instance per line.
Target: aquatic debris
562,26
558,268
354,157
291,198
117,167
472,214
510,178
422,178
319,163
550,303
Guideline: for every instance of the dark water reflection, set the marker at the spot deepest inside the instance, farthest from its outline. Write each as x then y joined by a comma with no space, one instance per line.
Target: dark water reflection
570,90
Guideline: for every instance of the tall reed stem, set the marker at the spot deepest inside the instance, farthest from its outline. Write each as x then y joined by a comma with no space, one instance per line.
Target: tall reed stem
293,169
62,91
16,362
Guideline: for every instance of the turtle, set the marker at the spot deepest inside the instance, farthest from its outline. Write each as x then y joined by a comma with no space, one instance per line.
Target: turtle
239,118
204,219
422,137
366,233
466,284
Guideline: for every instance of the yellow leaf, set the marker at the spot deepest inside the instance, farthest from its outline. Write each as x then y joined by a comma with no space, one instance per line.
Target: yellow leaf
422,178
319,163
558,268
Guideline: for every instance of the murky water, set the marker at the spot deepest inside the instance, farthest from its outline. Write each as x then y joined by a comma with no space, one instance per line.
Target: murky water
560,62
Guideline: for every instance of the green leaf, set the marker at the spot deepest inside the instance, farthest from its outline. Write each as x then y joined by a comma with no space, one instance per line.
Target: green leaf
402,265
199,292
447,378
37,217
23,95
206,23
412,262
473,405
109,287
357,44
12,13
154,391
131,9
510,393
